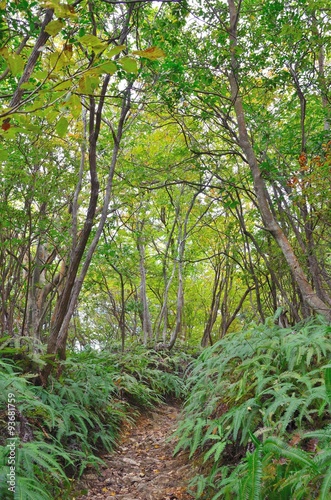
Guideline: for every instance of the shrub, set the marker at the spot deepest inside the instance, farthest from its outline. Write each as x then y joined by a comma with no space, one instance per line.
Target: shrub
252,396
62,428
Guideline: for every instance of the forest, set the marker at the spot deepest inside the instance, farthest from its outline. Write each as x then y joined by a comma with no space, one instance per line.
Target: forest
165,239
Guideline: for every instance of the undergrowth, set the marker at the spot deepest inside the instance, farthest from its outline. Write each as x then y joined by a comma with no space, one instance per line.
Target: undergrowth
257,418
61,429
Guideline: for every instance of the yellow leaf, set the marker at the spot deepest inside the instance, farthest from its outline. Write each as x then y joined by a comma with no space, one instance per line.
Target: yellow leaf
62,10
129,64
88,83
4,52
93,42
54,27
75,106
16,64
151,53
68,52
57,60
115,50
108,67
63,85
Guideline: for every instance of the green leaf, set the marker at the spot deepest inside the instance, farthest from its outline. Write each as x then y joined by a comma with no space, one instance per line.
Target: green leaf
93,42
254,461
129,64
51,115
326,485
217,449
328,383
295,455
107,67
28,85
115,50
63,85
40,75
62,126
16,63
54,27
3,154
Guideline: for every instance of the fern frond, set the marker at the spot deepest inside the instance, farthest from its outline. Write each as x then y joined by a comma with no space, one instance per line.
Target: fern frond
326,486
292,407
254,474
296,455
30,489
327,378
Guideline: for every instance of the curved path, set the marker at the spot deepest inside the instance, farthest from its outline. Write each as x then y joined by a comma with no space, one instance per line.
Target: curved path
143,466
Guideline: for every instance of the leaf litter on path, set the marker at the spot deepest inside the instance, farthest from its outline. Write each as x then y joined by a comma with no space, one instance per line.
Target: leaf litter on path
143,467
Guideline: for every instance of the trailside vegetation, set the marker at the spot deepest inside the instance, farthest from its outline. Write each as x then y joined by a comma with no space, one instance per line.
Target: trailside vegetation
257,416
164,188
61,429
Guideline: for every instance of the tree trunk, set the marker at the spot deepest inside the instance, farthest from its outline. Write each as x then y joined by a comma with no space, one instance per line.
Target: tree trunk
215,303
308,294
145,315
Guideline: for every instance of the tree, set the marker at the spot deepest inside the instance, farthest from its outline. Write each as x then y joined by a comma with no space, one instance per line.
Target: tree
245,87
68,72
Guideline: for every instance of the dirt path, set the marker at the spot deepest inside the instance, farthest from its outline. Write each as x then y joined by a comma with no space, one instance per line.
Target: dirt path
142,467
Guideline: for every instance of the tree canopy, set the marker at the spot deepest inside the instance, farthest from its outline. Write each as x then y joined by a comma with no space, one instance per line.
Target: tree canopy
165,169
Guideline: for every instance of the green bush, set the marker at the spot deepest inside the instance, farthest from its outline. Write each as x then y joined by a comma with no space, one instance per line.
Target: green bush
252,396
62,428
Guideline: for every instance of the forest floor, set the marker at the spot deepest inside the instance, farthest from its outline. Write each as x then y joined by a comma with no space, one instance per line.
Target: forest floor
143,467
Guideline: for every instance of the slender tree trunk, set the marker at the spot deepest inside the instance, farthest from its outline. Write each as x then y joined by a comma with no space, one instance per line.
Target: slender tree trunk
67,301
215,303
35,54
145,315
182,236
167,279
309,295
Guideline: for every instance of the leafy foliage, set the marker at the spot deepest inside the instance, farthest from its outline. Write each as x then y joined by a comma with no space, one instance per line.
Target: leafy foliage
256,400
61,428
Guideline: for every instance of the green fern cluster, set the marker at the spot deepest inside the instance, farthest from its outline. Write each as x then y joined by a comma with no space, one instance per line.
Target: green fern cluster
160,372
62,428
250,394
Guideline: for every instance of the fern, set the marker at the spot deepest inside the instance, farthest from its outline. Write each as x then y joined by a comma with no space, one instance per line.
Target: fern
296,455
216,450
197,435
293,405
30,489
327,377
326,486
82,412
265,381
254,475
